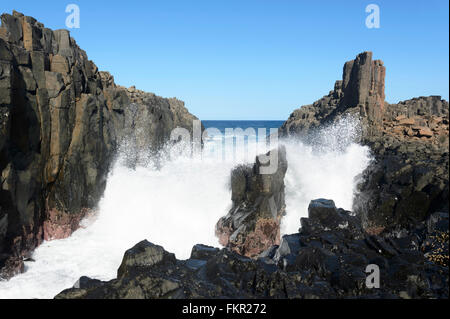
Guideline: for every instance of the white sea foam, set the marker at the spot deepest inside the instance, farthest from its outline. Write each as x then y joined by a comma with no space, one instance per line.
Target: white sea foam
178,205
327,166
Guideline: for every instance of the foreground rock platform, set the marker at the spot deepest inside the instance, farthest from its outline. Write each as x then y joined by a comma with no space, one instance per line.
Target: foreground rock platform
326,259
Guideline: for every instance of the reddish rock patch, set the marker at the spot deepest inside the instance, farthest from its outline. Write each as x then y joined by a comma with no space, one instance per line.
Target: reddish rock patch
265,235
61,225
375,230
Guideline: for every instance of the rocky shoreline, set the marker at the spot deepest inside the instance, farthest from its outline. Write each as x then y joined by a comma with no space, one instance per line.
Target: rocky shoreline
408,180
63,121
399,223
326,259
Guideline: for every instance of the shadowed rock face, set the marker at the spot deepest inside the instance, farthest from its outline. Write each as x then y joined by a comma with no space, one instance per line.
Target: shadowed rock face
253,223
408,179
61,123
326,259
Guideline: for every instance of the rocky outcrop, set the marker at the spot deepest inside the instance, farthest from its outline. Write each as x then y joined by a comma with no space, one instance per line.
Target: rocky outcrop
399,227
405,184
61,124
328,258
360,92
253,223
408,179
147,119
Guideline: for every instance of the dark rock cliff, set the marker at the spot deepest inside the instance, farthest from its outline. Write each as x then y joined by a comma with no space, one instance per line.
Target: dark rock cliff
408,179
61,123
361,92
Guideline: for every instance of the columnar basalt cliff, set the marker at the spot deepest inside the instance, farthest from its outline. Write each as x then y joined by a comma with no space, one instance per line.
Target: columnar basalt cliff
253,223
61,123
408,179
361,92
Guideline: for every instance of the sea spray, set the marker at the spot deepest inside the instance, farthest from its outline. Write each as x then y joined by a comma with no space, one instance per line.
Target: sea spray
326,163
175,200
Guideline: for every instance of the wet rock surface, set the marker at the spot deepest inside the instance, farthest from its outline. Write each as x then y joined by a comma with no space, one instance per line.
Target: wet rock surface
61,124
408,179
325,260
404,185
253,223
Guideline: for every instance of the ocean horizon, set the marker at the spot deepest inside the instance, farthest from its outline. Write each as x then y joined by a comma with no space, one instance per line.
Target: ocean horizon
221,125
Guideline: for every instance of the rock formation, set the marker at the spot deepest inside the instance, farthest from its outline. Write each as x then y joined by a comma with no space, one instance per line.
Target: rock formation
361,91
408,179
326,259
400,224
253,223
61,123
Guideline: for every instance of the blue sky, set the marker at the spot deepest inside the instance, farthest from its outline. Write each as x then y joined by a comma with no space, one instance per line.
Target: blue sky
253,59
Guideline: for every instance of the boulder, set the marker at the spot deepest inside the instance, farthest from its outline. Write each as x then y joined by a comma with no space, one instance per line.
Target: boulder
203,252
253,223
323,211
144,254
324,216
